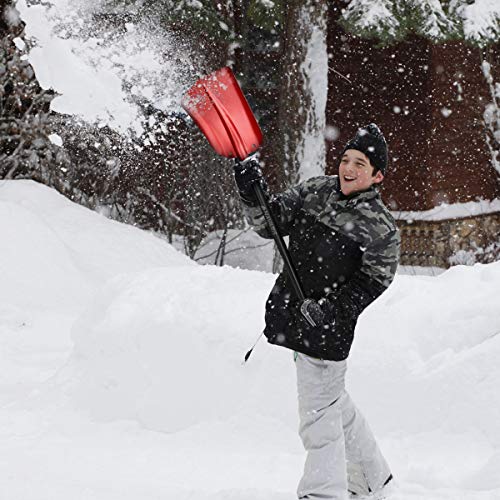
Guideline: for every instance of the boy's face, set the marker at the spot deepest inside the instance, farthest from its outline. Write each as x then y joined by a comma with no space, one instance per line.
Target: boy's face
356,172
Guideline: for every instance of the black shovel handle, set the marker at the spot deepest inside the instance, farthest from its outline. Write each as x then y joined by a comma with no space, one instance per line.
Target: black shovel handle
283,250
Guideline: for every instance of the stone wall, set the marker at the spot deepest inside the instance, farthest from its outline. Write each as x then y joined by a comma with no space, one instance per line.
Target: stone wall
454,241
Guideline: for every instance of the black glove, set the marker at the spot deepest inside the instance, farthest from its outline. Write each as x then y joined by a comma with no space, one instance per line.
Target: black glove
246,175
317,314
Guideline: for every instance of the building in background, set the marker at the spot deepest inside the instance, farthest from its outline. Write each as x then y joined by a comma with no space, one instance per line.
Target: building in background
430,98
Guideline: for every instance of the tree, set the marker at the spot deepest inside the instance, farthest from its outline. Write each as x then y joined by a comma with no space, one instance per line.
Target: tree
26,150
391,21
492,112
303,92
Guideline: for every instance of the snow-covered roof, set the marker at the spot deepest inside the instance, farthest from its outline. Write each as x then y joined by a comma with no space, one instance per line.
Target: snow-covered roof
451,211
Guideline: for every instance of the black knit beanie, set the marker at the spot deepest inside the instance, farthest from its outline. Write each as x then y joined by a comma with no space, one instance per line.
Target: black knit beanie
370,141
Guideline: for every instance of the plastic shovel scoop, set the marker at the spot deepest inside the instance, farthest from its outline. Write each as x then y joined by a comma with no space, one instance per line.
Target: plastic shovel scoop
219,108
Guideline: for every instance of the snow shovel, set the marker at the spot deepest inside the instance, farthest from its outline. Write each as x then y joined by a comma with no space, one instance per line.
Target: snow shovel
219,108
217,105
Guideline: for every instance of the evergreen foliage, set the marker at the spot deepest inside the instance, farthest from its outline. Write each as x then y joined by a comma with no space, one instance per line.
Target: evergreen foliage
391,21
266,15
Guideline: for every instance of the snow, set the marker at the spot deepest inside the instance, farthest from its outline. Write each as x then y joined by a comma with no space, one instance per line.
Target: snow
491,114
92,72
435,23
481,19
19,43
312,152
244,249
122,374
56,139
372,13
65,250
478,20
451,211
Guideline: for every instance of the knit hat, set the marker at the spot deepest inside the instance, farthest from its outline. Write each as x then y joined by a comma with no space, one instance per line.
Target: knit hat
370,141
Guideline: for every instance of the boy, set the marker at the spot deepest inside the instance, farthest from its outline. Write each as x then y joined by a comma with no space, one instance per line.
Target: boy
345,246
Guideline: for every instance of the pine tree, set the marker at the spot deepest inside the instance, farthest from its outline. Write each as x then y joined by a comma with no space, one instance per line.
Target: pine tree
391,21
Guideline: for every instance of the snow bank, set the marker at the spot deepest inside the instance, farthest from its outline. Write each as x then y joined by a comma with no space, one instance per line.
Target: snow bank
54,253
425,357
54,256
160,339
165,347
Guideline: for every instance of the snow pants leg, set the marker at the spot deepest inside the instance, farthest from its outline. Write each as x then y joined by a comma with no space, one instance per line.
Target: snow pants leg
341,450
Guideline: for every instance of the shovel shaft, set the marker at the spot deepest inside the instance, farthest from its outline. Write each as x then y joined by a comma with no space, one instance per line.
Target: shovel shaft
283,250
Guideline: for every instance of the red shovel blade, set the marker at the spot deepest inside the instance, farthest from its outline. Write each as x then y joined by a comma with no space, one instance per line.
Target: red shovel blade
219,108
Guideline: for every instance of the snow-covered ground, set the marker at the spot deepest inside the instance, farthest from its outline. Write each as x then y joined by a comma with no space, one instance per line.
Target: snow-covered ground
122,377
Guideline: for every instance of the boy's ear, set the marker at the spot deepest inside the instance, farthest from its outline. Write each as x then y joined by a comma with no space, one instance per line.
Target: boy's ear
378,178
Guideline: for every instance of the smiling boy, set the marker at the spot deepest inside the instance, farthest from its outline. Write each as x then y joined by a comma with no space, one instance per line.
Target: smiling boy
356,172
345,246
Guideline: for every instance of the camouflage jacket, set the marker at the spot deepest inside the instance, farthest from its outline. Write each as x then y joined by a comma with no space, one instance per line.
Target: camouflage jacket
345,249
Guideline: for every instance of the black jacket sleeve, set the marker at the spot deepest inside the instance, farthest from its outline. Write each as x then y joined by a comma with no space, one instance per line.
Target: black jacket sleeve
284,207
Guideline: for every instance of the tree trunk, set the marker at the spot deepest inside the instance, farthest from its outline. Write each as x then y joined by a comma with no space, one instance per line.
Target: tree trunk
304,90
303,94
491,115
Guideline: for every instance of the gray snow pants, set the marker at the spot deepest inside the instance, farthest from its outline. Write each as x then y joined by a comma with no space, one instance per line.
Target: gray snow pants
341,450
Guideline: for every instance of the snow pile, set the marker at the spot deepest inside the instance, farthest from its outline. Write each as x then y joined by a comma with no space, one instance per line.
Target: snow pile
435,341
165,347
101,76
55,252
54,256
148,397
